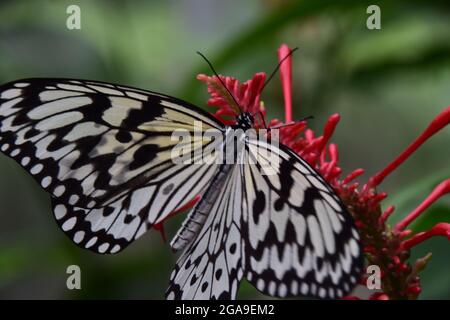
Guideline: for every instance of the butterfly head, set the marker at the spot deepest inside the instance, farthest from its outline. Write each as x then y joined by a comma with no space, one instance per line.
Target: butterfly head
244,121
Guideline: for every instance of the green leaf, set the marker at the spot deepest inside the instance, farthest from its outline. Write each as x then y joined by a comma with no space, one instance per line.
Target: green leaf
429,218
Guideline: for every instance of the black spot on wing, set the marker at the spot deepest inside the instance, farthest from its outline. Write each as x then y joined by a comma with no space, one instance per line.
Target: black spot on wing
123,136
143,155
101,102
168,189
225,295
149,111
31,133
259,205
279,204
108,211
128,218
193,280
286,168
218,274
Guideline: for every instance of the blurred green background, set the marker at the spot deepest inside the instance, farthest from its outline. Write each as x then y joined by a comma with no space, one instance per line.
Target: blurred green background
387,85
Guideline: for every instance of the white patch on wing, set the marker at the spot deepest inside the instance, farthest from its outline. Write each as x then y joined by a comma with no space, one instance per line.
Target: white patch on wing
139,199
120,109
82,172
280,262
79,236
136,95
106,90
280,220
346,259
302,267
336,273
50,108
7,108
298,188
20,136
327,232
69,224
316,183
88,183
51,95
46,181
316,236
36,168
354,248
262,264
10,93
60,211
85,129
91,242
333,203
59,190
25,161
59,121
299,223
335,221
74,87
21,84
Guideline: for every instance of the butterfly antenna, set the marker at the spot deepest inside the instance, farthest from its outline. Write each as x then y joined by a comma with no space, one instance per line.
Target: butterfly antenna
283,125
221,81
278,67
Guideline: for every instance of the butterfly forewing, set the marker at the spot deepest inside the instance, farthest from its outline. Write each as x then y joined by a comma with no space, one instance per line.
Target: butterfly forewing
104,153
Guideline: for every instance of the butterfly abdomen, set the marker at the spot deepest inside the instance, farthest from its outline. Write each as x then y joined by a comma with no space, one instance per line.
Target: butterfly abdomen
197,216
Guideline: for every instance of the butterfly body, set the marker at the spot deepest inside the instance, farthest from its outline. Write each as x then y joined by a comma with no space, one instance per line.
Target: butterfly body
244,121
233,137
197,216
104,154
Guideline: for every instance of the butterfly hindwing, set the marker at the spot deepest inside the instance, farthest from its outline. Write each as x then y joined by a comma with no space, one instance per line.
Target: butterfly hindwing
302,241
212,266
296,238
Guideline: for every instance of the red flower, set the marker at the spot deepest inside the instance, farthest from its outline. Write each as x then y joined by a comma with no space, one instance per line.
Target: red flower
246,94
387,247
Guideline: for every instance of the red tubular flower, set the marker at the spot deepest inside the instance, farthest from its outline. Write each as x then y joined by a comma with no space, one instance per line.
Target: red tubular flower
246,94
442,120
439,191
440,229
286,80
383,246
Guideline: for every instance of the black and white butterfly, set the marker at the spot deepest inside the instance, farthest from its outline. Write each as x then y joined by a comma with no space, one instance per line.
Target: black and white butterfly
103,152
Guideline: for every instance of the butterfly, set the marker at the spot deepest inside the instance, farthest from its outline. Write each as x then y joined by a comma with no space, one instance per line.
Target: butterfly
104,154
